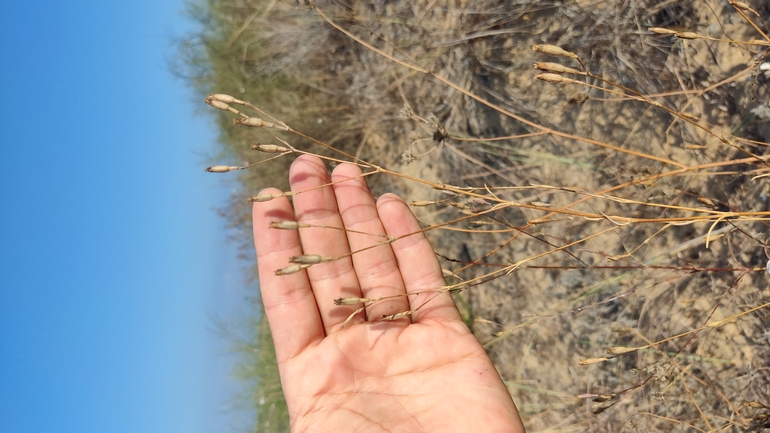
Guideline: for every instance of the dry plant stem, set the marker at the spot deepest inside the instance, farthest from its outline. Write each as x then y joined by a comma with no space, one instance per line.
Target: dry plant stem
691,36
649,264
464,191
293,193
713,324
688,269
508,137
507,270
672,359
295,226
565,210
646,240
749,20
556,78
675,422
699,93
674,113
441,79
489,104
657,177
521,230
516,265
225,168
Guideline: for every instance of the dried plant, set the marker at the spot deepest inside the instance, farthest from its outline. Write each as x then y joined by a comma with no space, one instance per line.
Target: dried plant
602,218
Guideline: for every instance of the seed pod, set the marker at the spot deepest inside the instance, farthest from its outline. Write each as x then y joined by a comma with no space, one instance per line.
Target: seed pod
754,405
350,301
556,68
222,106
252,121
554,51
603,398
395,316
589,361
552,78
422,203
259,123
310,259
740,5
662,31
287,225
269,148
620,349
717,323
263,197
448,273
227,99
686,35
221,169
291,269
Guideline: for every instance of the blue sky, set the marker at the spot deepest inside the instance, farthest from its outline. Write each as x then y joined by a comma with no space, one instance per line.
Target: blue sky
112,260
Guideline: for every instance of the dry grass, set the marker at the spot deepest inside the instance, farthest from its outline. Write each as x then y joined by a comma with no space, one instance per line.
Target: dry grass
602,221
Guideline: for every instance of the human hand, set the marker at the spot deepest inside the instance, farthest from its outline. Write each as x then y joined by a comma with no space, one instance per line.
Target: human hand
427,374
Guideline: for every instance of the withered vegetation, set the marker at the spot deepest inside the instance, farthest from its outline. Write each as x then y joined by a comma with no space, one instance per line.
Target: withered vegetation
602,217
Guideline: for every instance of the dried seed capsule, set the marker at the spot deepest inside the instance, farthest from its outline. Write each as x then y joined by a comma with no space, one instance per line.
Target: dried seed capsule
221,169
552,78
687,35
350,301
252,121
286,225
448,273
221,105
740,5
662,31
717,323
617,350
310,259
754,405
422,203
395,316
556,68
554,51
603,398
269,148
218,104
259,123
227,99
259,198
589,361
291,269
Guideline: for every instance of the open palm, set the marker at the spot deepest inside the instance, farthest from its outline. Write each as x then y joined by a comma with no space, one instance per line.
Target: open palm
422,372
